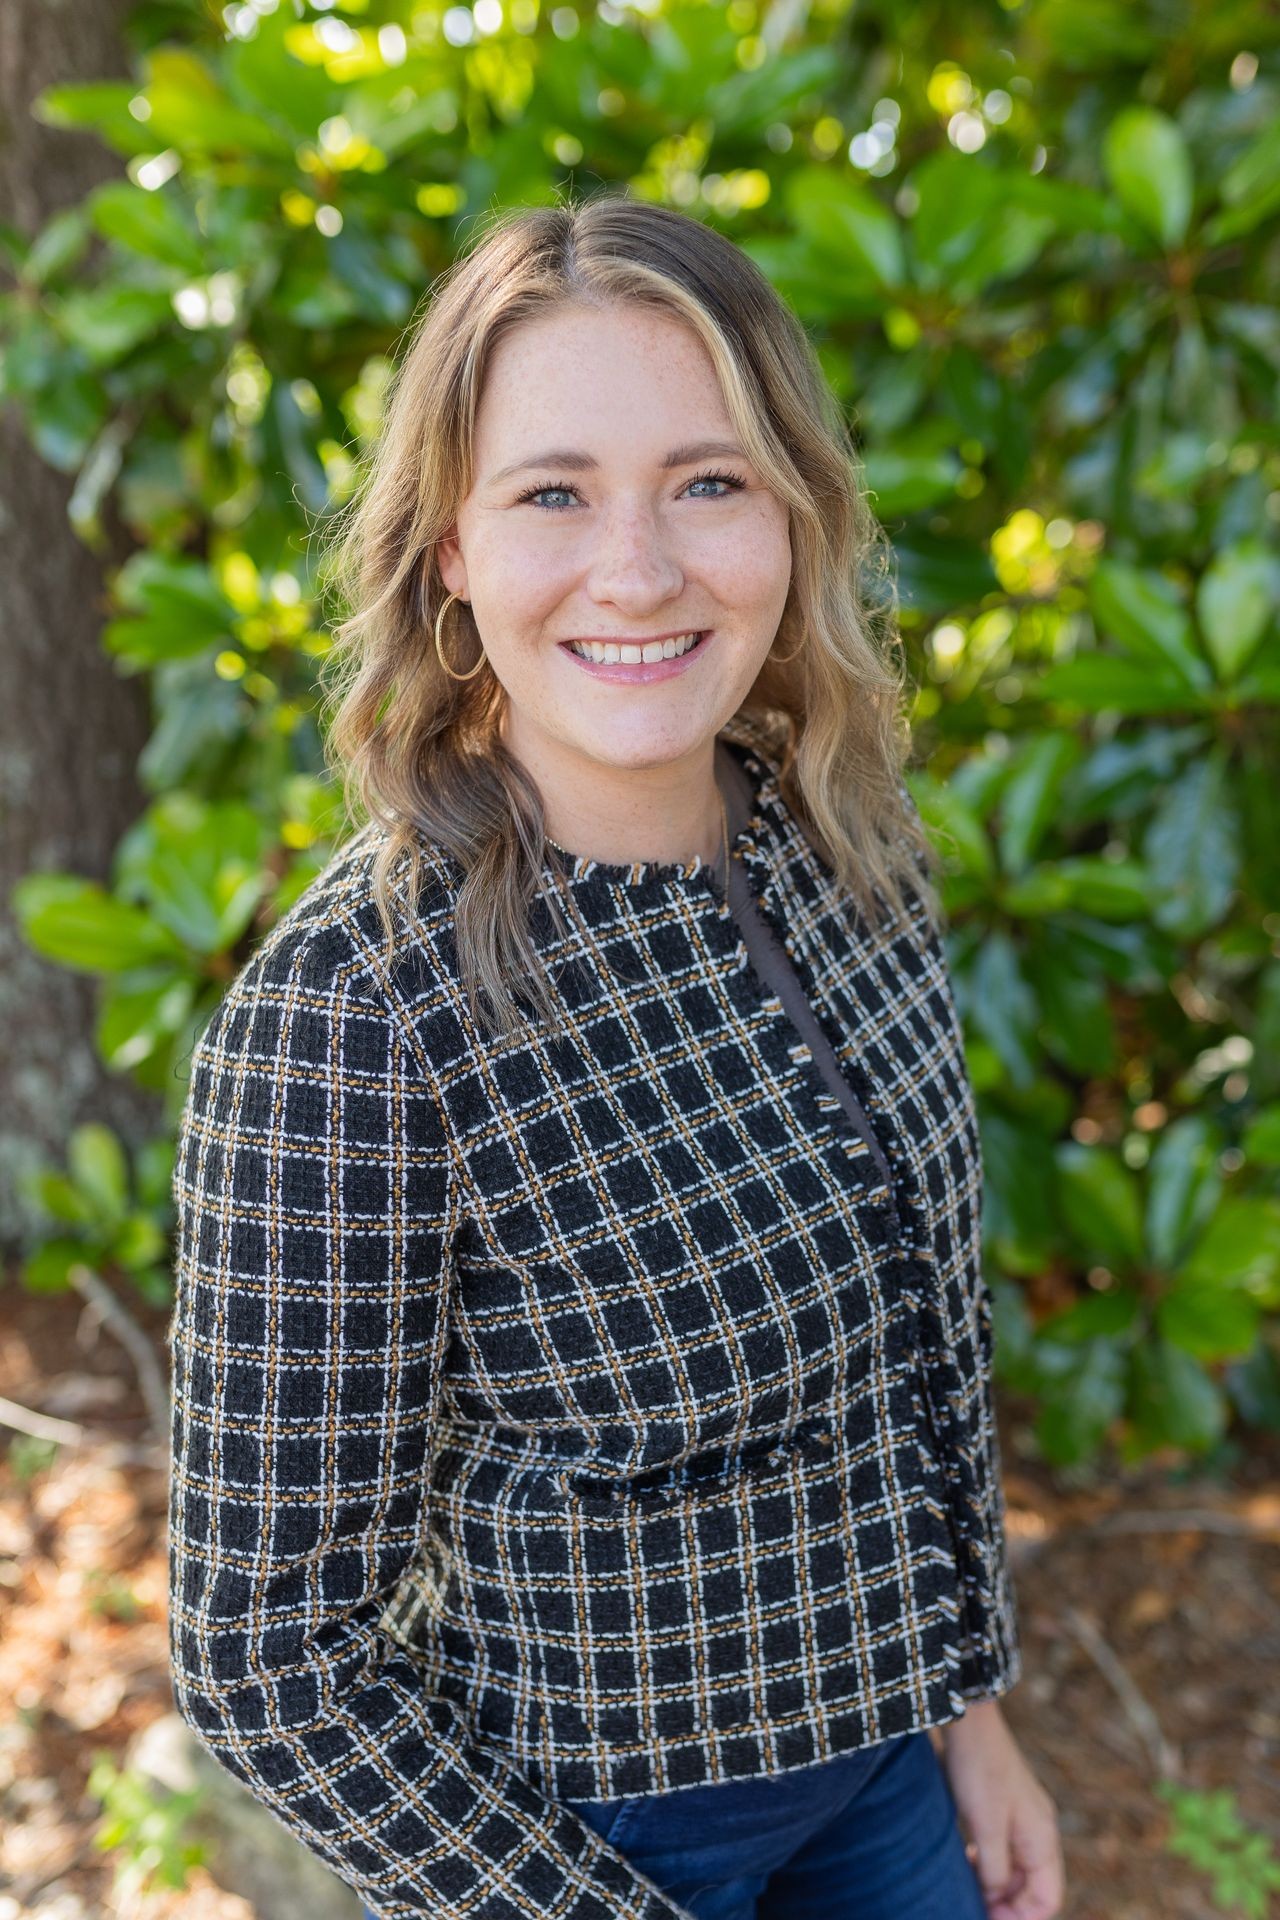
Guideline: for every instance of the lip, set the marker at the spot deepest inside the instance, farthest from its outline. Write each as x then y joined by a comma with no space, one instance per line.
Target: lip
640,672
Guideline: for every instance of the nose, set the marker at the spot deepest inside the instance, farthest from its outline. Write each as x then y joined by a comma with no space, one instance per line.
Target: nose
633,562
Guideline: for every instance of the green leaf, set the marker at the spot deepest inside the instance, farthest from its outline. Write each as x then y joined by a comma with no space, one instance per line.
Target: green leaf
1254,1384
1080,1405
107,322
1172,1400
1147,161
1017,1210
58,245
1003,1007
139,1243
65,420
1212,1322
47,1269
1261,1141
954,828
147,223
901,481
145,643
1250,189
1095,1316
937,574
184,612
61,1200
1235,599
975,225
1143,612
1111,889
1075,1017
101,467
1240,1248
1192,849
79,924
846,223
202,866
96,1163
1184,1186
138,1016
1101,681
1029,799
103,106
1037,894
1100,1202
190,111
365,268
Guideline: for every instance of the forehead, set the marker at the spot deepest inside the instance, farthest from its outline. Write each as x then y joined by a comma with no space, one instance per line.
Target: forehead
599,374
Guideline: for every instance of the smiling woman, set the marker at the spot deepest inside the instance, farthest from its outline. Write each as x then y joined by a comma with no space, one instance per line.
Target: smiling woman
580,587
607,431
582,1355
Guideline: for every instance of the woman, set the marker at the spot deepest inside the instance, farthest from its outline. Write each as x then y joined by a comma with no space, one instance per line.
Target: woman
586,1492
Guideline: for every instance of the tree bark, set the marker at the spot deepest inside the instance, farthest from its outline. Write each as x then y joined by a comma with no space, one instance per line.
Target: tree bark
70,728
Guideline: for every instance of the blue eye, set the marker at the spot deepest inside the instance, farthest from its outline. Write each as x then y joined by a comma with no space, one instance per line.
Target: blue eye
733,481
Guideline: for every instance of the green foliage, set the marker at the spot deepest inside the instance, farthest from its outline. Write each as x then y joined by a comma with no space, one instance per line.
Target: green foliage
26,1456
146,1827
1207,1829
1036,250
96,1221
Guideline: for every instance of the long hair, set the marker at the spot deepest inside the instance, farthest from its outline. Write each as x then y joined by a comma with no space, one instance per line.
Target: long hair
420,754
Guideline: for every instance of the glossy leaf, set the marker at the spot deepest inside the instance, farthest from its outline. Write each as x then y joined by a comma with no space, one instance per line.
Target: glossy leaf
1240,1248
1029,800
1143,613
1101,1204
96,1163
80,925
1237,598
1173,1401
854,231
1148,164
1192,848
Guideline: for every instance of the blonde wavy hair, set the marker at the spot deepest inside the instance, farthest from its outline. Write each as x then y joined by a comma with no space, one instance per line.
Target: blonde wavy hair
420,754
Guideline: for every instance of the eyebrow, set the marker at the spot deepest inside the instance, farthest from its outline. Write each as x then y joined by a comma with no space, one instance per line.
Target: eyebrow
578,462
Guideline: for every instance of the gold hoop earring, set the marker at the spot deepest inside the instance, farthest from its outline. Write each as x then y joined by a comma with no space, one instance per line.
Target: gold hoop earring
786,659
482,661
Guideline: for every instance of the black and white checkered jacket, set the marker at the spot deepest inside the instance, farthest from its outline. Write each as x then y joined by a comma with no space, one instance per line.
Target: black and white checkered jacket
561,1418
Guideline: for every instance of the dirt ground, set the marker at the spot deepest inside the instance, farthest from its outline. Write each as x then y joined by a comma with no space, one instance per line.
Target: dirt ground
1148,1599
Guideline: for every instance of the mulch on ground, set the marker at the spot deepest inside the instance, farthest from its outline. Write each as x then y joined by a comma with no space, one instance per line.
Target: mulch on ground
1148,1600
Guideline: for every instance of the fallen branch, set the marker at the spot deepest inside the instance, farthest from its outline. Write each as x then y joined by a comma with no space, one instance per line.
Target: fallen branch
41,1426
1165,1757
131,1337
1188,1520
65,1433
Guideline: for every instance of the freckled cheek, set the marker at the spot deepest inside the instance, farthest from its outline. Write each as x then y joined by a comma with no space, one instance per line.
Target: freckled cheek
745,573
522,578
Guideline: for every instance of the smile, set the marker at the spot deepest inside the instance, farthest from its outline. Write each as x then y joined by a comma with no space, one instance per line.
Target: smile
637,661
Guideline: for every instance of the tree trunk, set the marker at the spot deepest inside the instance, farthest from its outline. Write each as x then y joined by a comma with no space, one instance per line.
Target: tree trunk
70,728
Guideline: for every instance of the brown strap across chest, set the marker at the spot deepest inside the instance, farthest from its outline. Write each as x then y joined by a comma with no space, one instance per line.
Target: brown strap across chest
770,958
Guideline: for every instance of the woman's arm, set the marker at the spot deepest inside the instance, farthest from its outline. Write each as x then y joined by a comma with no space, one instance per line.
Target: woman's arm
312,1184
1009,1819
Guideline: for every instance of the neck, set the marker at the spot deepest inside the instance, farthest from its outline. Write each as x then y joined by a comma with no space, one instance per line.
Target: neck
669,812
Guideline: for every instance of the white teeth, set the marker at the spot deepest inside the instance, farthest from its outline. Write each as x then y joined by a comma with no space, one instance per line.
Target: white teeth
608,651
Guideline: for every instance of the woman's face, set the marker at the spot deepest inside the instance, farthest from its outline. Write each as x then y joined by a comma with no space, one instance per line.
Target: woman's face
588,521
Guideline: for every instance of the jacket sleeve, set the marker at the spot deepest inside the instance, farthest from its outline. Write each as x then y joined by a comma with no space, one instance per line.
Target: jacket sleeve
314,1198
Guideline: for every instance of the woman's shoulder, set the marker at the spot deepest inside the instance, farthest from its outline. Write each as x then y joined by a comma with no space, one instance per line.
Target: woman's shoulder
332,936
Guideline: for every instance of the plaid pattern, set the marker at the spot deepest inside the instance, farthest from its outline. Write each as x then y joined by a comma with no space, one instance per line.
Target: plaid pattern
576,1416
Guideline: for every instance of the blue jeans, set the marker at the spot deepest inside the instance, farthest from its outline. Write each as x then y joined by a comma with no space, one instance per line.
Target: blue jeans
872,1835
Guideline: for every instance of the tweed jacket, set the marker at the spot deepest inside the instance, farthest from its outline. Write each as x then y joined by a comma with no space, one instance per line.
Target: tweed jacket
571,1416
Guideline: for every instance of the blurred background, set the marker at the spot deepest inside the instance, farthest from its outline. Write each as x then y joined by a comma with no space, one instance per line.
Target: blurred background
1037,245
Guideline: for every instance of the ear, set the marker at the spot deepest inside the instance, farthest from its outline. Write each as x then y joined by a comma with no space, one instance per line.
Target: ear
449,560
